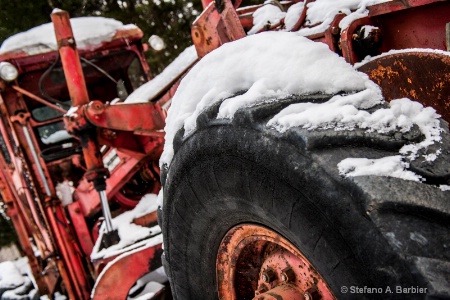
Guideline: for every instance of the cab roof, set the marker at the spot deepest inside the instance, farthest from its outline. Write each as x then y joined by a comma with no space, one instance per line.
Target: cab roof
90,33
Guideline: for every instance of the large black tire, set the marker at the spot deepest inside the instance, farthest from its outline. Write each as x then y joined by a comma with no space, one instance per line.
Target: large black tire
355,231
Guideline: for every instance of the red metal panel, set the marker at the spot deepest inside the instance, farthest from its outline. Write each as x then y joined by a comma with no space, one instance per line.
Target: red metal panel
420,27
213,28
88,198
69,58
136,265
80,227
138,117
76,277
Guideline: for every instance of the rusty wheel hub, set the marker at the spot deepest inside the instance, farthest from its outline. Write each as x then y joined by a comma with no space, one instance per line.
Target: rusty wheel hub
254,262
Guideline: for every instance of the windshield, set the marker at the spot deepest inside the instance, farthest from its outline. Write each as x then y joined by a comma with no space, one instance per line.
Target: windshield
107,78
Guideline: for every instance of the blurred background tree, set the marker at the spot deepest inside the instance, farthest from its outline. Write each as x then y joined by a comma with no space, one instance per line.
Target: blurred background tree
7,233
170,19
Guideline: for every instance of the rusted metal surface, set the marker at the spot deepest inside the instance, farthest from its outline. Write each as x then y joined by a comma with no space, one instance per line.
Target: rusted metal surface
70,268
141,118
256,262
80,227
348,37
126,271
70,58
330,36
302,17
89,199
415,24
421,76
37,98
397,5
213,28
65,245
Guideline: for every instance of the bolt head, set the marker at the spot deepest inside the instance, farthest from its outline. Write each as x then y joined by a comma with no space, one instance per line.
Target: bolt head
268,276
288,275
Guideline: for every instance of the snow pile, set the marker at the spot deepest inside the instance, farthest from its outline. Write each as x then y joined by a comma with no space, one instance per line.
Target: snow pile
391,166
88,32
149,90
266,65
266,15
274,65
293,15
16,280
10,276
129,232
319,14
344,113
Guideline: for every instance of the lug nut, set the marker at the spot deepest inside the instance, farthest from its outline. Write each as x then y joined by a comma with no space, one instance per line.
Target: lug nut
268,275
287,275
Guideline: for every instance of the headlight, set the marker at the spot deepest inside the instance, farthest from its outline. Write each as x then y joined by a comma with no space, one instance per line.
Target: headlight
8,72
156,43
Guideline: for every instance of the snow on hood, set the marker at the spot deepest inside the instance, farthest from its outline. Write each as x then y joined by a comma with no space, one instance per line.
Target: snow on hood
270,64
88,32
150,89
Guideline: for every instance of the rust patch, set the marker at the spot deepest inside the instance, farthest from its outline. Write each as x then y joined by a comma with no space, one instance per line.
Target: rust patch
420,76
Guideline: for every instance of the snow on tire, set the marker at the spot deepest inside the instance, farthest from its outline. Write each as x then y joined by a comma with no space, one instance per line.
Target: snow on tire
362,231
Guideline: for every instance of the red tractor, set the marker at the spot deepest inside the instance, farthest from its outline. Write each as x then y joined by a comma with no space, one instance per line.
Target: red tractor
286,172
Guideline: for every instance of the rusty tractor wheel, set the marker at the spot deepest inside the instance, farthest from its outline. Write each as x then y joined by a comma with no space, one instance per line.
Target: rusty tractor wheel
250,213
285,273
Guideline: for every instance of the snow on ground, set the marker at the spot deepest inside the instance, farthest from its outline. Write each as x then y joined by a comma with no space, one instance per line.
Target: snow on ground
10,275
319,14
149,90
274,65
129,232
16,280
88,32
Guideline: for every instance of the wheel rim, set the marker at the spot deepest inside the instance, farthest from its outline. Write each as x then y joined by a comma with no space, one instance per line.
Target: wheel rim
254,262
